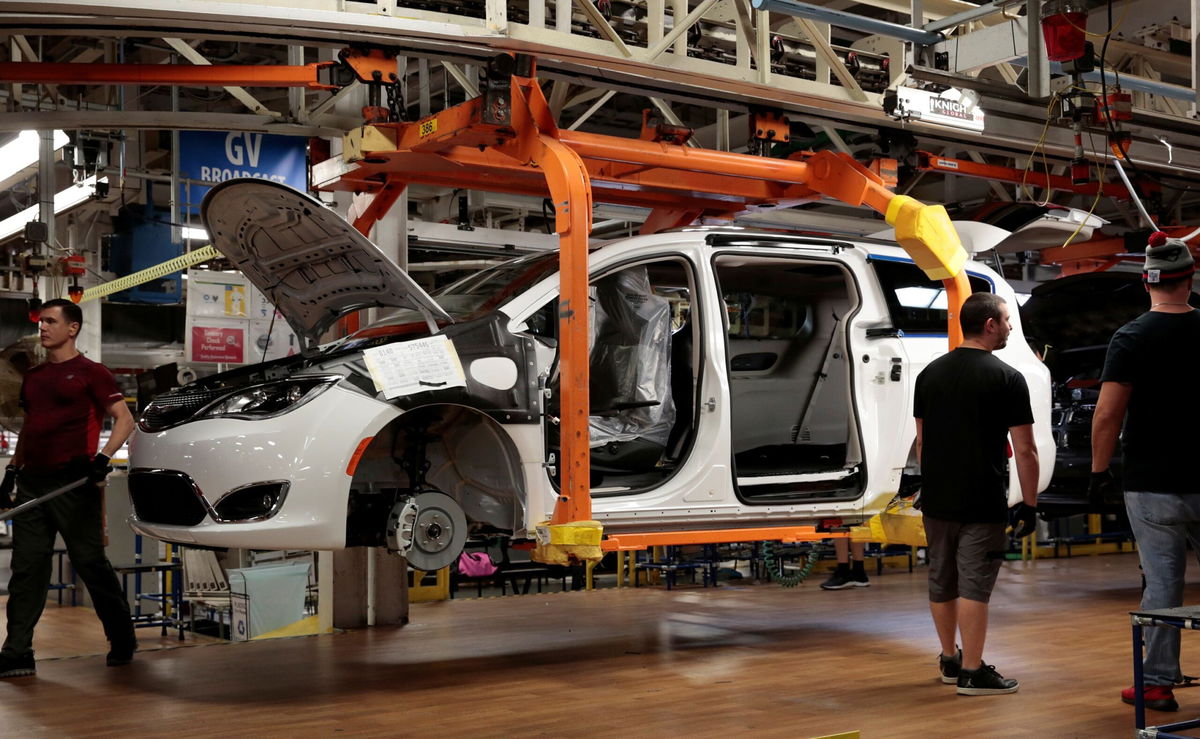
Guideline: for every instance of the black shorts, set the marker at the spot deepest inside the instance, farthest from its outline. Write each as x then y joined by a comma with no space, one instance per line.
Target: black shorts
964,559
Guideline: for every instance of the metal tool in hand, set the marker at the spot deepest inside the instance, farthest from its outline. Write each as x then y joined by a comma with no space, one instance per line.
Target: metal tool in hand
6,515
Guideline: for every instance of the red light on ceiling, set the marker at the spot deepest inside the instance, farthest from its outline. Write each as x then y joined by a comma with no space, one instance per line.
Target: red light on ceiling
1063,23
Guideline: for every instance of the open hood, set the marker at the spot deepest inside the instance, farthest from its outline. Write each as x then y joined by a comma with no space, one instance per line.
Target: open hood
1085,309
309,262
1073,318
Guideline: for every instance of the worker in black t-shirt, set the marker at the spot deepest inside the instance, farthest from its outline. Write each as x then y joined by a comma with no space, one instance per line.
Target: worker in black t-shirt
65,400
967,403
1152,362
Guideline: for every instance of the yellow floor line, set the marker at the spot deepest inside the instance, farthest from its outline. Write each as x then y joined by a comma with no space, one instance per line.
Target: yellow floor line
304,627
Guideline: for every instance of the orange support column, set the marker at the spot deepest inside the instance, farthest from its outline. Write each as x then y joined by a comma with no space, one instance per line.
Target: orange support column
380,205
958,289
571,193
571,535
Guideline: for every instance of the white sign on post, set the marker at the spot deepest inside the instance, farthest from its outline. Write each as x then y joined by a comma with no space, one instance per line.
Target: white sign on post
230,322
413,367
217,294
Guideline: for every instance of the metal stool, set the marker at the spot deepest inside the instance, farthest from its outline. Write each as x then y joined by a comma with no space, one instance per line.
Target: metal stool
1184,617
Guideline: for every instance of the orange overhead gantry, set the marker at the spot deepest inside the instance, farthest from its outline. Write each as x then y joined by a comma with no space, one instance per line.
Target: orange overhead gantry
506,140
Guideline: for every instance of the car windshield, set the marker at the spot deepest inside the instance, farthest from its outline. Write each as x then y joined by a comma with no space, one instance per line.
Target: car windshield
470,297
487,289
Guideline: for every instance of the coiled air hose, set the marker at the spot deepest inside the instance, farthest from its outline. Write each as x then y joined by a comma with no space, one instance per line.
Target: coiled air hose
776,571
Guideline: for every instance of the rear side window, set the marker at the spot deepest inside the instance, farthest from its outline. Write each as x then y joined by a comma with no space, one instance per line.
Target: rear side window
753,315
916,303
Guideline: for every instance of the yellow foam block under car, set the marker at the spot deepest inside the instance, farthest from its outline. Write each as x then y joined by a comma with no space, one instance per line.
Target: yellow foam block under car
559,543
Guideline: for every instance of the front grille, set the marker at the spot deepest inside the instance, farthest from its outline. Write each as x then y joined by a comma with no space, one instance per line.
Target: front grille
174,408
165,496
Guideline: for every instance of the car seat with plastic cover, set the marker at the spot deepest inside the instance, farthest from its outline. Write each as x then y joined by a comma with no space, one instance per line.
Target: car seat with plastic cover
630,365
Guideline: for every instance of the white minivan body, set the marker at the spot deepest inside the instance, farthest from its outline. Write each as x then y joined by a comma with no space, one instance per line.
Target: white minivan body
737,379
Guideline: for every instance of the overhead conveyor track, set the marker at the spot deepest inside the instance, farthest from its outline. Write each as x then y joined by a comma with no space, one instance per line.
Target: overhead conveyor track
720,61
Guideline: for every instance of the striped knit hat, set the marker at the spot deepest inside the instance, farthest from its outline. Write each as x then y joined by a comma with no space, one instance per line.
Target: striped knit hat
1166,259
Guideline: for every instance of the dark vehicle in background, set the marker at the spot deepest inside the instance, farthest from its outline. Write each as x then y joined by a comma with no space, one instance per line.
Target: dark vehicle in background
1070,321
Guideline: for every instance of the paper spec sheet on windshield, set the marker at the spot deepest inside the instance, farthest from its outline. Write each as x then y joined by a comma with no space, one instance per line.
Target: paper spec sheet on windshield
410,367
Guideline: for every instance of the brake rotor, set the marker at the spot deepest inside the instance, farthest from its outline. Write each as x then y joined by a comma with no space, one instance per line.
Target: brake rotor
429,530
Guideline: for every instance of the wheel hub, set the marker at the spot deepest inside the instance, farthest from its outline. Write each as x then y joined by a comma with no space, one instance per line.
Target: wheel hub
428,530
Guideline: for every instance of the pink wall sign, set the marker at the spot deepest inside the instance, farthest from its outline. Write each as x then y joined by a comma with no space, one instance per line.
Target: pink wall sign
218,344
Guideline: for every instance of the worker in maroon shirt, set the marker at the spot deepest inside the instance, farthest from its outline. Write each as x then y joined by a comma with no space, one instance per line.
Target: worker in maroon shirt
65,400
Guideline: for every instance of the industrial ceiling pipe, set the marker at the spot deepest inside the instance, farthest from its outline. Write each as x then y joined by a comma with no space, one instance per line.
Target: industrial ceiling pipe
1124,81
849,20
966,16
1140,84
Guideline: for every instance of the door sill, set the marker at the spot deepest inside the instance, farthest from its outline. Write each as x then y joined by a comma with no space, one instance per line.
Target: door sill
788,479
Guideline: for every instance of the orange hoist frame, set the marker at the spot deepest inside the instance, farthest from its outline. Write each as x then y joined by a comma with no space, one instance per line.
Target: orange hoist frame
506,140
1031,179
1103,252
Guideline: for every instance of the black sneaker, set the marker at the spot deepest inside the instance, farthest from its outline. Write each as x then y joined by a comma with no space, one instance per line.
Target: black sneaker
859,579
17,666
985,681
950,667
121,653
839,580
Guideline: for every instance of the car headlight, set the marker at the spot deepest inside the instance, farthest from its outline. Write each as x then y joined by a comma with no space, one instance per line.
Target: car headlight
271,399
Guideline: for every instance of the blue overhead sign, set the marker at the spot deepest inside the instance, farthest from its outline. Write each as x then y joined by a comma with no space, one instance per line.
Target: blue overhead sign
209,157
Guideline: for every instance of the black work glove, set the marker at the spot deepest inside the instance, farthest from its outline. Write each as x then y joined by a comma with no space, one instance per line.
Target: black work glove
1024,519
98,469
7,486
1102,488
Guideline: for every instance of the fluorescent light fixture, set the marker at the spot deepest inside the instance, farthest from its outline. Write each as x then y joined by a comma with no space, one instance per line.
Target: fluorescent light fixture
22,152
69,198
191,233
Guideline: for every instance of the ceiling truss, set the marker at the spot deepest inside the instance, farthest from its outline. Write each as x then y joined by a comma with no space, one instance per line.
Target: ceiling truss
601,64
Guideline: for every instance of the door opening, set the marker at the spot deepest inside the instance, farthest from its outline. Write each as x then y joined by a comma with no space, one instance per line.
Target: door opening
793,421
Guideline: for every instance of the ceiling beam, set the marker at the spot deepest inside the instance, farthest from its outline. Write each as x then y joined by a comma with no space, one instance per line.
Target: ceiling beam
161,120
460,76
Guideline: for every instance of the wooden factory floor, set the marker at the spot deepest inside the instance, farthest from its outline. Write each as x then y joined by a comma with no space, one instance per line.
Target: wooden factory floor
753,660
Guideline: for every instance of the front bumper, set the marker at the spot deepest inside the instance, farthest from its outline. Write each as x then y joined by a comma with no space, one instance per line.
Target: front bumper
308,448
